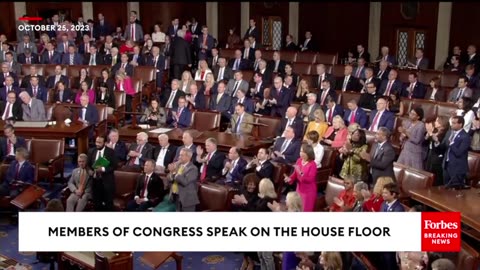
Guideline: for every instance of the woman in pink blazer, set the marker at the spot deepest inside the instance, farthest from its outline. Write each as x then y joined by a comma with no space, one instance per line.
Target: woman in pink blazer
305,173
336,135
125,84
84,91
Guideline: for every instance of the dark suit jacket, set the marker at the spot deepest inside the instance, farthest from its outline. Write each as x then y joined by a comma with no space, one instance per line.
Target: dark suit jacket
77,59
311,46
98,59
42,93
3,146
3,92
17,112
382,163
147,153
280,68
56,58
328,76
251,54
242,66
91,115
365,55
200,102
22,58
193,148
26,172
239,170
266,170
210,44
171,30
160,68
66,97
227,73
291,153
81,48
215,166
26,81
102,30
13,75
331,92
247,102
397,87
252,32
223,105
141,59
291,47
51,81
439,95
368,101
423,63
184,121
120,151
360,117
155,188
108,175
297,127
390,59
396,207
128,69
457,153
384,75
166,96
352,85
387,120
337,110
283,101
180,53
108,59
169,155
418,91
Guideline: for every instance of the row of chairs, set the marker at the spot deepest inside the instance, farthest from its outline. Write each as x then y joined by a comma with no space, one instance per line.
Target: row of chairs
292,57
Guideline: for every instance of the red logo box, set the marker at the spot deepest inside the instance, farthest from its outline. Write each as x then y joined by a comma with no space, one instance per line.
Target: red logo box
441,231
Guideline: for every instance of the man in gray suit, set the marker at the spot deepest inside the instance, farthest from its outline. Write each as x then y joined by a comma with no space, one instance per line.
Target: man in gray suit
133,30
461,91
33,109
80,185
381,156
26,44
184,177
236,84
309,108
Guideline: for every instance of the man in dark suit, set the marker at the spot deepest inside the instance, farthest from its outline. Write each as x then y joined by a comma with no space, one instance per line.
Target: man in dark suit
63,44
355,114
164,153
137,58
325,92
221,71
180,55
221,101
308,45
289,44
88,113
238,63
33,73
241,98
6,73
19,170
414,89
362,53
37,91
280,98
9,87
248,53
381,157
348,82
10,143
158,61
123,64
184,178
286,149
386,56
369,78
72,58
196,100
139,152
28,57
113,58
106,48
119,147
291,120
173,28
235,84
171,95
234,168
93,58
455,163
187,139
205,44
257,87
102,28
382,71
103,176
333,109
473,58
276,65
50,56
321,76
212,163
261,164
381,117
368,100
84,46
391,85
419,62
11,109
149,190
252,30
181,116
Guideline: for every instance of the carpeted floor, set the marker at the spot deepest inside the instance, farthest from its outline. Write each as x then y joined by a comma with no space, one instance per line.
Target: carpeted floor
191,260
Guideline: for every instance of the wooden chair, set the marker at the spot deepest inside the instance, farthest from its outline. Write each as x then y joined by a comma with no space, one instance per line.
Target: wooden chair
326,58
214,197
49,155
206,120
125,183
306,57
115,261
118,115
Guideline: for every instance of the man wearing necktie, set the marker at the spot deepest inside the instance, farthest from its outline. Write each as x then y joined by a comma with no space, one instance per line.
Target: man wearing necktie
415,89
212,162
461,91
164,153
103,176
241,122
80,186
183,177
236,63
19,169
149,190
234,168
181,116
139,151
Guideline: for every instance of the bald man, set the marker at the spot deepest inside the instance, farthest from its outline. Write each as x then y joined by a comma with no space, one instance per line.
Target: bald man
292,119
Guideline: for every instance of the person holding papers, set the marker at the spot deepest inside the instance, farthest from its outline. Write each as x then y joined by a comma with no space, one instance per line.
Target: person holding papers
103,162
20,170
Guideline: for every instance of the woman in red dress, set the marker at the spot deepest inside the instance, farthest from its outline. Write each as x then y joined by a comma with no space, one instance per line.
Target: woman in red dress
374,201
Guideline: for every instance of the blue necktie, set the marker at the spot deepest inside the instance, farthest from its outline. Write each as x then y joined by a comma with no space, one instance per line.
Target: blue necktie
237,127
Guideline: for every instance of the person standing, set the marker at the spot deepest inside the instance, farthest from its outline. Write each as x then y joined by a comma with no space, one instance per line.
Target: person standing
183,177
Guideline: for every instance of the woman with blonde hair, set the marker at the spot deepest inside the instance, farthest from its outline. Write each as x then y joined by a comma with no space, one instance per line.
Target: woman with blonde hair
202,71
186,81
209,87
319,125
302,91
326,261
336,135
44,39
124,83
374,200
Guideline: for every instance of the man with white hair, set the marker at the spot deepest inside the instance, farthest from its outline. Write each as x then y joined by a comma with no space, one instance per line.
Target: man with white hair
139,151
180,55
113,58
33,109
8,87
80,184
87,113
171,95
291,119
164,153
310,107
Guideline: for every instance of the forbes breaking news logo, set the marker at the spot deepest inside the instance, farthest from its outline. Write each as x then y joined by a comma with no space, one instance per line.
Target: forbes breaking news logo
441,231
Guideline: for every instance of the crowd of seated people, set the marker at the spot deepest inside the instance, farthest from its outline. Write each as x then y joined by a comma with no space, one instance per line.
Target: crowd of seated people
199,77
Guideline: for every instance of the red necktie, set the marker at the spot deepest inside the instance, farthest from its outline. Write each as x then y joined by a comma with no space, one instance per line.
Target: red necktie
35,91
387,92
330,115
9,146
132,34
145,184
374,122
132,159
352,117
204,171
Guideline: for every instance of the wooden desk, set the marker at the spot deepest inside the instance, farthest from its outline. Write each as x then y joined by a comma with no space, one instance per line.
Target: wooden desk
58,132
28,197
156,259
247,144
446,200
6,262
